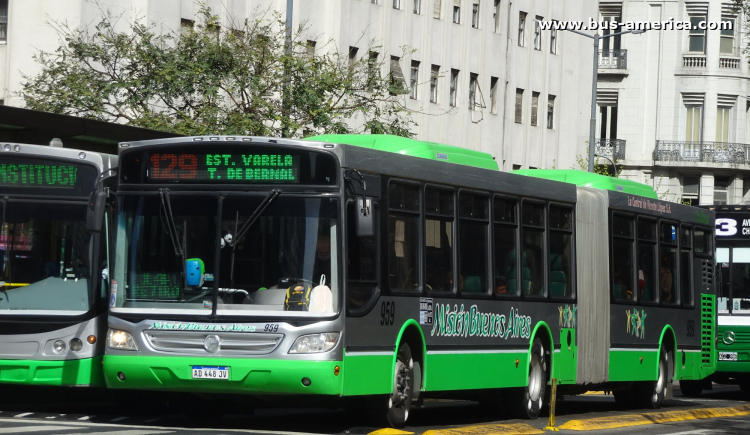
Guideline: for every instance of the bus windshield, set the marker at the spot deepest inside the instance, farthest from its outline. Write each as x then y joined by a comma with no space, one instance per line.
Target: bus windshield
44,259
270,259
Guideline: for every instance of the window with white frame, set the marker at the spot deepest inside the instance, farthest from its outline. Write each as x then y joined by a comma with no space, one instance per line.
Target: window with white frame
726,45
475,14
414,79
310,48
521,27
457,12
493,95
690,189
496,16
696,35
352,58
396,4
436,9
693,123
434,75
553,39
538,33
721,190
724,124
3,21
473,84
453,87
519,106
534,107
417,7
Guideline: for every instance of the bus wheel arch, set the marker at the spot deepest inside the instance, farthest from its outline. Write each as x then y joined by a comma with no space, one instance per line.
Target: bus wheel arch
542,331
668,342
528,401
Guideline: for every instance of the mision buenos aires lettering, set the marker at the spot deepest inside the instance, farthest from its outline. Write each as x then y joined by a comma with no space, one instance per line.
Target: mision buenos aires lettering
276,168
37,175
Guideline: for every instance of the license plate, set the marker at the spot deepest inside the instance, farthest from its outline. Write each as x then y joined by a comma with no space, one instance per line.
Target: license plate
210,372
727,356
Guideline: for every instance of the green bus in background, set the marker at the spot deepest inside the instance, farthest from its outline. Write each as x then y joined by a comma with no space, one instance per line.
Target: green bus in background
385,269
53,298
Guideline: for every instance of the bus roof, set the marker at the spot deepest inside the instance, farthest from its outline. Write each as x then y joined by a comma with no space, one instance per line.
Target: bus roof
412,147
587,179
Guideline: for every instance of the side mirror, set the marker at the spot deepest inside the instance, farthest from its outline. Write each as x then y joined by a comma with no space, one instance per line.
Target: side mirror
365,219
95,214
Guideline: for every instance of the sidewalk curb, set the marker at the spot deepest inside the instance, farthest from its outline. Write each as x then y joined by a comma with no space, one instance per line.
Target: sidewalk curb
619,421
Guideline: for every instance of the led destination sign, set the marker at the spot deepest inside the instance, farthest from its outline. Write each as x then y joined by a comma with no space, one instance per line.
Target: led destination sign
38,175
224,168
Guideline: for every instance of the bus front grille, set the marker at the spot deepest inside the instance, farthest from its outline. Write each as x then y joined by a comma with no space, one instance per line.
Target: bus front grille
230,343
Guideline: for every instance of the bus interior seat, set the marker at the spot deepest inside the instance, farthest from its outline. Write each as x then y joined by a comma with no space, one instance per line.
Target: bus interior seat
557,278
511,277
473,284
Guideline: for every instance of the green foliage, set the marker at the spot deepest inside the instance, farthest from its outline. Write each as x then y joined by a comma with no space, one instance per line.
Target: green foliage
245,78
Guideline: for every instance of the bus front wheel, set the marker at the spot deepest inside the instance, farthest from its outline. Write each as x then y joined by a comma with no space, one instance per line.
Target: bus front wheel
529,400
651,394
393,410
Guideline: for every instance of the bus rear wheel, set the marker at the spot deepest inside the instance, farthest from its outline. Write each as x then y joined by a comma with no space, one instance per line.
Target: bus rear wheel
529,400
651,394
393,410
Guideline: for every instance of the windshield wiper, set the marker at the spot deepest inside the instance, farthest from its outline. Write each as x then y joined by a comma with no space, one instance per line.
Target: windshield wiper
166,207
239,234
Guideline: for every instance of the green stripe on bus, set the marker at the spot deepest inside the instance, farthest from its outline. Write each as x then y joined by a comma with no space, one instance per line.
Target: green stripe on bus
633,365
246,375
74,373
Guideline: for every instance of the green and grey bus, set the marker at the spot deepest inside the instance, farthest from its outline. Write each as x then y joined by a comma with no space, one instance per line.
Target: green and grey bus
53,300
385,268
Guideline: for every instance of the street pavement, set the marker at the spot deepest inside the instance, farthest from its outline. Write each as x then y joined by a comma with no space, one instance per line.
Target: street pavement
76,412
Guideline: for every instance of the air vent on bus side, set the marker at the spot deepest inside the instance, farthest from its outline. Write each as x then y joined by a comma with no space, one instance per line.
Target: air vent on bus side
708,271
707,329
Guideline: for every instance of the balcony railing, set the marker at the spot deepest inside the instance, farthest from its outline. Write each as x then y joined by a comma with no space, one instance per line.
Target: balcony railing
613,59
709,152
694,61
729,62
612,148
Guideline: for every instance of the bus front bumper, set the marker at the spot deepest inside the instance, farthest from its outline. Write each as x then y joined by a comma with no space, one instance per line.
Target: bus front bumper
253,376
64,373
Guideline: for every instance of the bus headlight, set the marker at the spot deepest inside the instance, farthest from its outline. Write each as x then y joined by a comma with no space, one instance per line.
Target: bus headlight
58,346
315,343
76,344
122,340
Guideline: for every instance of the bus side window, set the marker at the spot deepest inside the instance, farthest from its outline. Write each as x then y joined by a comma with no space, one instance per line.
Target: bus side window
623,274
403,236
506,235
667,263
686,267
473,242
361,260
439,208
560,251
647,276
532,248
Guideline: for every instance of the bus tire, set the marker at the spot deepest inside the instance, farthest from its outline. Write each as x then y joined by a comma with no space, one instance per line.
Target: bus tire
527,402
691,388
651,394
393,410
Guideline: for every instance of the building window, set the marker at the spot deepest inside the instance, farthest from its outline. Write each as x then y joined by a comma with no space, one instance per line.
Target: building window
310,48
697,36
693,127
521,27
721,185
454,86
519,105
516,167
475,14
553,39
372,67
414,79
538,33
534,107
727,36
398,82
374,2
690,190
396,4
434,75
473,79
457,12
723,124
3,21
436,9
493,95
352,58
550,111
417,7
185,24
496,16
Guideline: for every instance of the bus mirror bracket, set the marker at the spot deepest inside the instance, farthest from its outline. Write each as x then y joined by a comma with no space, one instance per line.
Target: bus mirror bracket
95,212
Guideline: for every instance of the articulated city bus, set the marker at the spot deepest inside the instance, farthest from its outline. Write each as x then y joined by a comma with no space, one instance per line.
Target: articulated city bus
733,298
390,269
53,306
